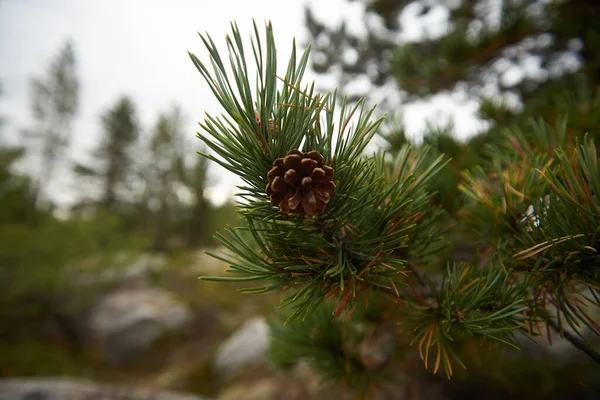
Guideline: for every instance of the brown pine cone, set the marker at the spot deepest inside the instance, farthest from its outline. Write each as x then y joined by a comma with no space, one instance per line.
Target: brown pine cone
264,138
299,182
273,128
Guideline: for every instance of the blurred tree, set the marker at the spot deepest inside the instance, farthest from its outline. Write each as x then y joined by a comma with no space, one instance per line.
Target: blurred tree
25,280
44,260
518,57
114,153
195,179
14,188
55,101
164,174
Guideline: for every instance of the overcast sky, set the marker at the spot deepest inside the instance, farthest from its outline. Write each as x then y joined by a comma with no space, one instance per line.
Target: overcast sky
139,48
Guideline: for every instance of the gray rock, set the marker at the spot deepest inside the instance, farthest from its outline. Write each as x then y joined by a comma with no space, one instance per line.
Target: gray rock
248,345
131,320
122,269
41,389
70,389
142,266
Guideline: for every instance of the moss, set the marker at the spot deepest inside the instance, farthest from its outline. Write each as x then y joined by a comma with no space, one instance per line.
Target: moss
29,357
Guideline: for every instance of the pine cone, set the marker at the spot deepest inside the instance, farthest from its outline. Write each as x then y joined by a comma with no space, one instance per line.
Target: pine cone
273,128
299,182
264,138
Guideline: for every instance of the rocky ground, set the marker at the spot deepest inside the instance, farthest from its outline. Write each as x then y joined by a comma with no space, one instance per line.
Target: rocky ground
156,330
71,389
159,333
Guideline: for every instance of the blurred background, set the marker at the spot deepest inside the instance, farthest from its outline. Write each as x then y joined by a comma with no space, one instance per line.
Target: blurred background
106,209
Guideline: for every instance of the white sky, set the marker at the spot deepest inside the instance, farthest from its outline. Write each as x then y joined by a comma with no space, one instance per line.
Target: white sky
139,48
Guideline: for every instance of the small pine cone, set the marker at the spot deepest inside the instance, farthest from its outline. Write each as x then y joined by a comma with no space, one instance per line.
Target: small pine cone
273,128
264,138
299,182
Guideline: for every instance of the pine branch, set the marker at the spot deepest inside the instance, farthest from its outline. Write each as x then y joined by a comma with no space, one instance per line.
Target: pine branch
323,220
576,341
359,227
417,274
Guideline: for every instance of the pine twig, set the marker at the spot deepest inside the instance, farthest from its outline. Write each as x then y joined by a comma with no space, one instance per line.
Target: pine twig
576,341
418,274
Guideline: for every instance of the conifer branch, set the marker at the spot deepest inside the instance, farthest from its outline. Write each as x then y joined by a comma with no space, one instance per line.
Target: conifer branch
576,341
333,228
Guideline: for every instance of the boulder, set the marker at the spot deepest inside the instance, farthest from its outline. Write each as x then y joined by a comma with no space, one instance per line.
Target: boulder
71,389
248,345
122,269
130,320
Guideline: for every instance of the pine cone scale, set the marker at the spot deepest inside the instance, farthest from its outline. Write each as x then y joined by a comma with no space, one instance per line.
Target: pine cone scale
295,200
308,164
318,174
291,177
315,155
327,187
292,161
306,184
323,197
273,172
278,184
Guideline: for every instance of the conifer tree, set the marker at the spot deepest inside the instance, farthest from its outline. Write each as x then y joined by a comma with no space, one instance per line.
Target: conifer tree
14,188
521,59
55,102
355,242
164,173
194,177
114,153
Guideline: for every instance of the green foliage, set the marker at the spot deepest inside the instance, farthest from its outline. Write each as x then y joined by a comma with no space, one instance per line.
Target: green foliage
502,189
149,183
546,215
577,97
531,201
14,188
488,303
500,196
167,172
41,261
336,350
202,216
561,237
376,212
437,64
478,35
